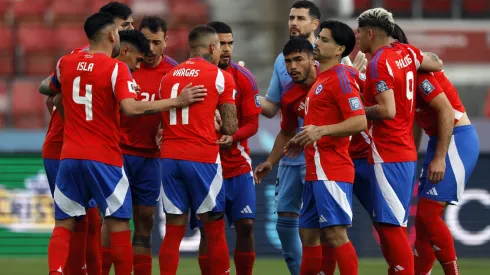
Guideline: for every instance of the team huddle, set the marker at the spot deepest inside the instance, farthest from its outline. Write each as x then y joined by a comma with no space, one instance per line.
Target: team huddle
130,127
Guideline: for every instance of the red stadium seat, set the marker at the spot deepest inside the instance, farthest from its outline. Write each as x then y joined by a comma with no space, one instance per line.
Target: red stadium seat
399,8
28,105
38,49
6,51
180,11
95,5
29,10
476,8
4,104
69,38
437,8
362,5
75,11
4,7
177,44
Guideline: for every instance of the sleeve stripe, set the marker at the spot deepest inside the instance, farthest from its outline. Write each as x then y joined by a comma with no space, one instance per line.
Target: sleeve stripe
344,82
171,61
352,71
288,88
247,74
374,65
220,82
114,77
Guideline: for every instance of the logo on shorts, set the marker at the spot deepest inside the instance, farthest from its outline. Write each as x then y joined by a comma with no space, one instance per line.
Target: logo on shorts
381,86
257,101
319,89
322,219
432,192
426,87
355,104
246,210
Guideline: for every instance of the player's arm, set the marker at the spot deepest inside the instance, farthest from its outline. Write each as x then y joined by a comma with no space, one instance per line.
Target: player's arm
45,87
269,108
271,102
229,122
417,135
383,92
431,63
50,104
385,109
57,101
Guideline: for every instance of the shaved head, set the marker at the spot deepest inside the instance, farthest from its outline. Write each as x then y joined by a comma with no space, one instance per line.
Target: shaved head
204,42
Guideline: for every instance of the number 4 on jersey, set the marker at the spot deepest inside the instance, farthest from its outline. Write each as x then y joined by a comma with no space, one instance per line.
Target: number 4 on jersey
84,100
173,112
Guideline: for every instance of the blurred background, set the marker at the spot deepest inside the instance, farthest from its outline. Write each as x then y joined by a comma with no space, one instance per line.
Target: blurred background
35,33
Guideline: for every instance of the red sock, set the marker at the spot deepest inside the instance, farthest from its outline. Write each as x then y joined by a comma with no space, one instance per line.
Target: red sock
75,264
311,261
397,248
105,252
122,252
244,262
450,268
169,249
58,250
430,215
347,258
423,255
218,253
93,256
142,264
204,264
329,263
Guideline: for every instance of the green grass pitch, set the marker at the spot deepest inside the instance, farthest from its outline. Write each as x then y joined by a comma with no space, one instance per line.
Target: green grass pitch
266,266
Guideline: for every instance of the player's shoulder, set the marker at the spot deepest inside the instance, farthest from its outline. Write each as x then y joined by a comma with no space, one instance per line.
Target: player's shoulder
243,76
168,61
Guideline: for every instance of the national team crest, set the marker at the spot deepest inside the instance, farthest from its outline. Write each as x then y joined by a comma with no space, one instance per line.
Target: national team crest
319,89
235,92
427,87
381,86
362,76
257,101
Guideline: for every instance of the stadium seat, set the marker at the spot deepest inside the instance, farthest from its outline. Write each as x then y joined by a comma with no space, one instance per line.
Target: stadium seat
74,12
177,46
4,103
29,10
28,105
95,5
4,7
399,8
180,11
476,9
37,49
6,51
69,38
362,5
437,8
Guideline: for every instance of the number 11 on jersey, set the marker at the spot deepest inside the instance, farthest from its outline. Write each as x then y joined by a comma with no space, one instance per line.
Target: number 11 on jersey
173,112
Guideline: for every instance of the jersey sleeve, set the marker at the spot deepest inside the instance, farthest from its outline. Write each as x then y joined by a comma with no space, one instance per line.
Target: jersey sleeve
123,85
228,93
250,102
54,83
379,73
275,89
417,55
289,120
347,96
428,87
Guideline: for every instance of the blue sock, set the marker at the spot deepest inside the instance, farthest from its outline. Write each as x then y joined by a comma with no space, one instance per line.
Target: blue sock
288,231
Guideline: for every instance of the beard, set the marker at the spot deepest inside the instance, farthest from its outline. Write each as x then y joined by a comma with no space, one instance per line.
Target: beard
223,65
301,35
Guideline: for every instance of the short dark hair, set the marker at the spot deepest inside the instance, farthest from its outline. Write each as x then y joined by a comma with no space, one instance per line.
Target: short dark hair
118,10
220,27
342,34
399,34
377,18
199,33
297,45
135,38
154,24
96,22
313,9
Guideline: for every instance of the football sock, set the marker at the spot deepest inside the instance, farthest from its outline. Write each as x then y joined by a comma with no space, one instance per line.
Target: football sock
398,249
244,262
329,262
204,264
218,254
288,231
430,215
105,252
75,264
58,250
122,252
423,255
311,262
142,264
93,256
168,256
347,258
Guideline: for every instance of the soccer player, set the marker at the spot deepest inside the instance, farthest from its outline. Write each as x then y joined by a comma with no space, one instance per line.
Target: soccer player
333,112
456,149
140,151
191,168
235,159
304,19
94,86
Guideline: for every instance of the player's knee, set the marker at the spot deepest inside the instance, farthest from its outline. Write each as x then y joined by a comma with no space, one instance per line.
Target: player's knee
142,241
116,224
336,236
309,237
244,228
144,223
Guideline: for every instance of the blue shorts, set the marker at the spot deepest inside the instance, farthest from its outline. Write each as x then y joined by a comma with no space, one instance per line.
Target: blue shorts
80,180
289,187
460,161
361,184
326,203
144,179
195,185
240,200
51,166
390,191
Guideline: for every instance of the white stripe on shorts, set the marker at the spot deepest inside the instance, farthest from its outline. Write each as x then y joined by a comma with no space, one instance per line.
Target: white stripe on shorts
210,201
389,195
339,196
168,205
116,199
458,167
67,205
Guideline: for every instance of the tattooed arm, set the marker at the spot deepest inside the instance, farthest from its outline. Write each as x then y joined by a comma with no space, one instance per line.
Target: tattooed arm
229,122
431,63
385,109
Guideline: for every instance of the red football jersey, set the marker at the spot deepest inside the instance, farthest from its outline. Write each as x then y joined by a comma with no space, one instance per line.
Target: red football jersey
54,137
92,86
189,133
236,160
428,87
293,106
392,68
333,98
138,132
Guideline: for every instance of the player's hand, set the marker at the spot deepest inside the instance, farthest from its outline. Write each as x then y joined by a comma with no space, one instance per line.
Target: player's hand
225,141
309,135
158,138
191,94
261,171
137,89
217,121
241,63
360,62
293,149
437,168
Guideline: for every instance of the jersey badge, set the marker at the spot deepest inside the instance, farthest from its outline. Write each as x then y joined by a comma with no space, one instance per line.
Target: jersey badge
235,92
355,104
319,89
362,77
427,87
381,86
257,101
